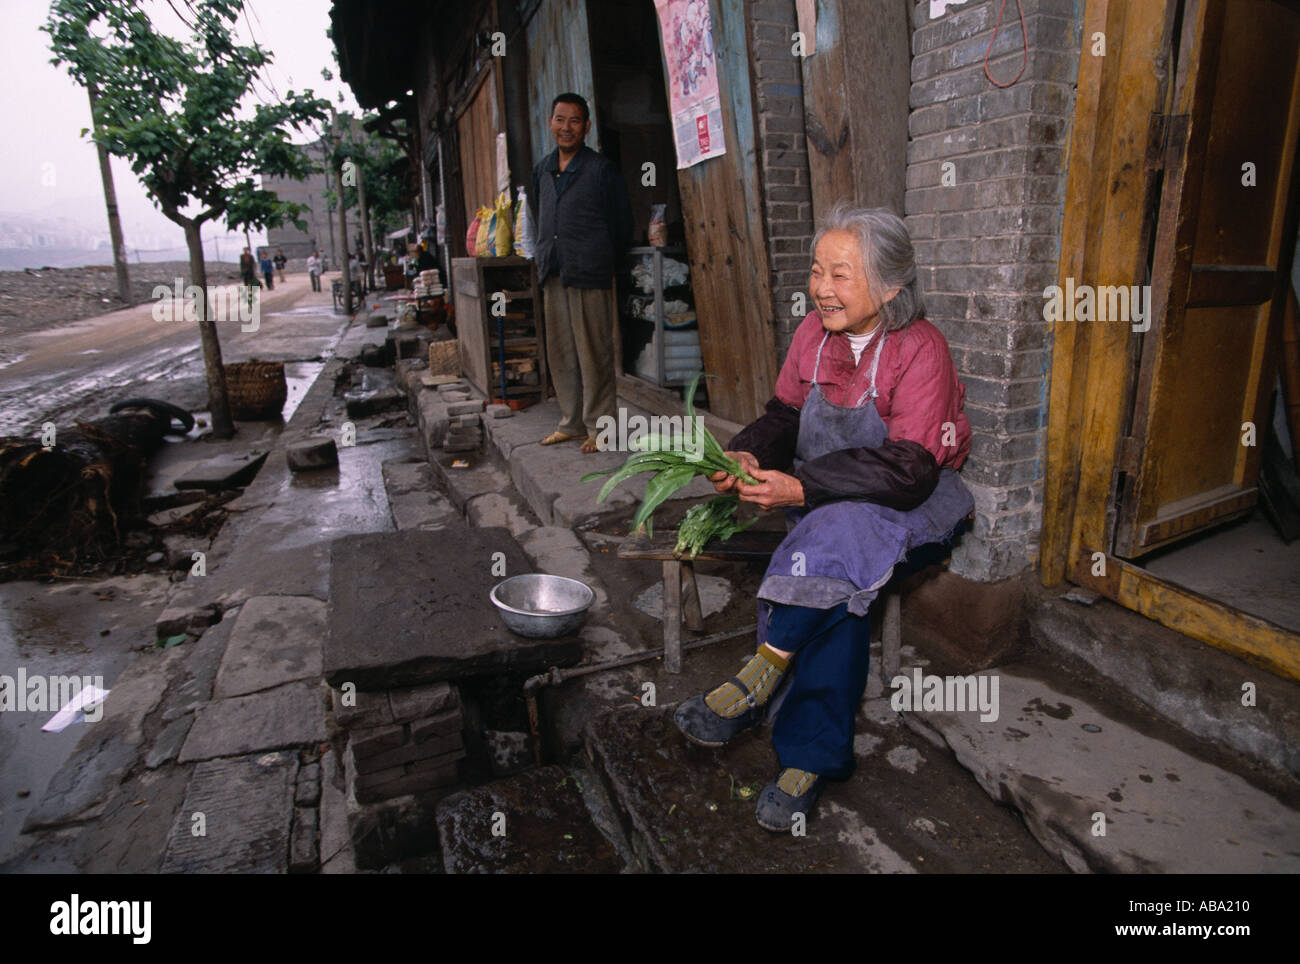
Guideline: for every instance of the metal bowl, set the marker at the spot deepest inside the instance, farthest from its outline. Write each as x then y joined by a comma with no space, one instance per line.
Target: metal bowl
542,606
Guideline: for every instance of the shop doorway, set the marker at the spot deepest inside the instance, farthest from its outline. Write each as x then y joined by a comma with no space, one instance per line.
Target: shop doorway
660,342
1155,502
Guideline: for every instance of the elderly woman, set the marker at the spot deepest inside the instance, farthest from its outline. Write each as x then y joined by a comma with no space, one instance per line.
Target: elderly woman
860,446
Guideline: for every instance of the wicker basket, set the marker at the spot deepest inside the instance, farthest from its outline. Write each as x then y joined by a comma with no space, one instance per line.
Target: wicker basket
444,357
256,389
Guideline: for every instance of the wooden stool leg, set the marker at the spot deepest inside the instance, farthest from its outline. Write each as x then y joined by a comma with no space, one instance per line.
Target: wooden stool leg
891,640
672,616
691,599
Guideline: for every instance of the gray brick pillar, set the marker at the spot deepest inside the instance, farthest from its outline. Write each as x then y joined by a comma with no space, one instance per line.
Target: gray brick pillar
988,240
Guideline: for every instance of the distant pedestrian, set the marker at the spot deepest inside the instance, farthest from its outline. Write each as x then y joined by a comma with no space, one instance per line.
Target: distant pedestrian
314,269
280,262
248,269
268,266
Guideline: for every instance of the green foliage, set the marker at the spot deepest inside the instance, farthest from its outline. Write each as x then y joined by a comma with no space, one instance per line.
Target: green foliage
673,467
177,112
380,163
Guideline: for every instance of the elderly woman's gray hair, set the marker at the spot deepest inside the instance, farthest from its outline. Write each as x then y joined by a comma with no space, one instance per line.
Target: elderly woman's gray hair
887,256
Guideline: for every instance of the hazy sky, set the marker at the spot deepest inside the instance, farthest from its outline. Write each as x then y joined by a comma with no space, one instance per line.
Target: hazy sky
42,111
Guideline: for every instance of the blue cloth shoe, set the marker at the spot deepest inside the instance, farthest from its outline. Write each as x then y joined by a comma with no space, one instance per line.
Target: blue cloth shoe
776,808
702,726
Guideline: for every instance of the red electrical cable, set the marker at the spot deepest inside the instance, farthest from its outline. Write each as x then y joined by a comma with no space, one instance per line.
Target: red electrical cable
1024,32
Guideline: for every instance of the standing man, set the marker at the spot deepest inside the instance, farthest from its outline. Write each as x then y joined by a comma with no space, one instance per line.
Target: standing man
313,270
248,269
584,224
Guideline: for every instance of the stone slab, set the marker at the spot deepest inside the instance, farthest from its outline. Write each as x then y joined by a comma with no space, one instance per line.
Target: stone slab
547,828
304,846
289,715
418,702
247,808
363,403
335,844
317,452
1060,760
223,472
501,509
308,789
413,607
413,497
82,787
168,743
275,640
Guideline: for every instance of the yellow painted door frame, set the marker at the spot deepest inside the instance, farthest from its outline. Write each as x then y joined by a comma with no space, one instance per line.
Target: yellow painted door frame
1124,97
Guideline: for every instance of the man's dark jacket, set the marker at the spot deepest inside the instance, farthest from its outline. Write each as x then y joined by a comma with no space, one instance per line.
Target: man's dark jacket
584,219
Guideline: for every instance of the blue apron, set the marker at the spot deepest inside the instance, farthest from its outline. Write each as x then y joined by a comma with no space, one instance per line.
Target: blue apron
844,552
814,598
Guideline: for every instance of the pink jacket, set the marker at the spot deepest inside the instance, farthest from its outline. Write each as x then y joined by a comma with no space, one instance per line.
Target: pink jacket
921,399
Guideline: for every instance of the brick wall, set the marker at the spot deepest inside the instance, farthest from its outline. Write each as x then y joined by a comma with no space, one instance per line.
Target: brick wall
988,243
782,158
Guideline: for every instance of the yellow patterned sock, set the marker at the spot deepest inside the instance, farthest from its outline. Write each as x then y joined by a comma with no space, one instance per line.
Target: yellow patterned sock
795,782
760,676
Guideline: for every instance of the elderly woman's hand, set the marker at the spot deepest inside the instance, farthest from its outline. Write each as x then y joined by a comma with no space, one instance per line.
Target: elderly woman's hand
725,483
774,490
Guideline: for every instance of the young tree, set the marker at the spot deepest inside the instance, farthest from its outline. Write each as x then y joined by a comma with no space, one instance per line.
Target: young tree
175,110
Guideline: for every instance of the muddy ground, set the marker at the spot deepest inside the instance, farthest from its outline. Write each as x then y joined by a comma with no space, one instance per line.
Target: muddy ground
43,297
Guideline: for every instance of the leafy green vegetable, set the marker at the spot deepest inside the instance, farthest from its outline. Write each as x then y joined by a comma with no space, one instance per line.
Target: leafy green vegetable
714,519
673,467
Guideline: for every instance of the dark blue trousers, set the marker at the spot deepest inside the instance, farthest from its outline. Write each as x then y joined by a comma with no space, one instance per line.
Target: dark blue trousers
817,705
815,721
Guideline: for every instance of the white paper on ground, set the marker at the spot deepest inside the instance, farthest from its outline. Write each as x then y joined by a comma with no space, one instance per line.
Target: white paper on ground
73,712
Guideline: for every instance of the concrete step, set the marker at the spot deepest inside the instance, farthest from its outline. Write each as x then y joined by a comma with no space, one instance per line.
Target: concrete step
1108,791
1218,699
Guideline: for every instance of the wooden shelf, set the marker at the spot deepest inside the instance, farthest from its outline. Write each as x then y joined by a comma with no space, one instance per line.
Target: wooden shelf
476,281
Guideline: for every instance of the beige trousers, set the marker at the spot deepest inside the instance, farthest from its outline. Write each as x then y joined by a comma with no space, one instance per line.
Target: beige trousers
580,354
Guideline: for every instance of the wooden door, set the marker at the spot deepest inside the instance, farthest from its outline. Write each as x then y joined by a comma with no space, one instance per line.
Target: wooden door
1157,131
725,237
1219,273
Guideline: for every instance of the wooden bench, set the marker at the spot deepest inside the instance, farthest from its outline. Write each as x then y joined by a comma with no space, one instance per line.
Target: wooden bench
682,596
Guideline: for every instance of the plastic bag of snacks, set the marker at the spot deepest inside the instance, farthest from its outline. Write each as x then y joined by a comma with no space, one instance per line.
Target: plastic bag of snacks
523,226
471,238
504,228
486,233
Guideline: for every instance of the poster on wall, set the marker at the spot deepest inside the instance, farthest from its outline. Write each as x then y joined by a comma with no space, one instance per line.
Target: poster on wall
687,32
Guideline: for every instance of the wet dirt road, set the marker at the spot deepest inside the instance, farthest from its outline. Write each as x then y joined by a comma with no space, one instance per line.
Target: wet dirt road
78,369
